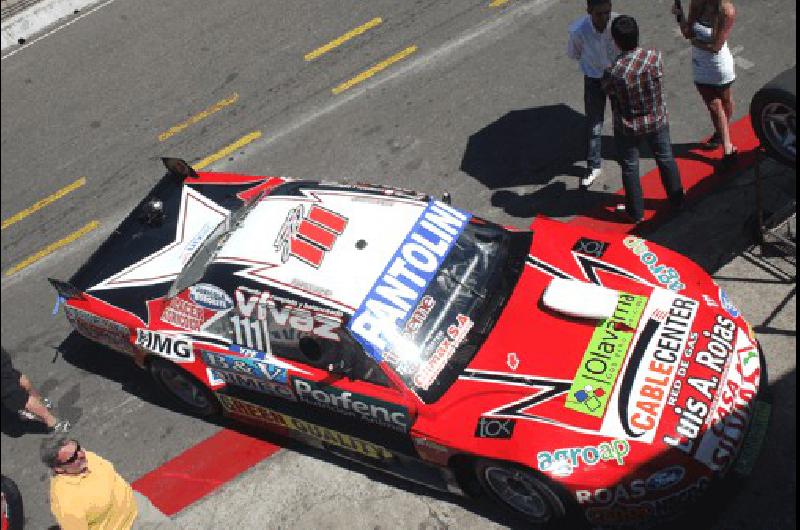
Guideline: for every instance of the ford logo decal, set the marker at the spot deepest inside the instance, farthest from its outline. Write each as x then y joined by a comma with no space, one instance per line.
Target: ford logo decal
727,304
210,297
665,478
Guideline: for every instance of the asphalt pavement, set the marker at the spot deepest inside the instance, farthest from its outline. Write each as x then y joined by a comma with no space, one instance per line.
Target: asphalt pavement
485,106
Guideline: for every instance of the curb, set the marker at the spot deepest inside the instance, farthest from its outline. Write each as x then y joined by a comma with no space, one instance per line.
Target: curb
37,17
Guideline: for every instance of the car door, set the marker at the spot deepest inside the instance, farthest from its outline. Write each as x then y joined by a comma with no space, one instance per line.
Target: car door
296,383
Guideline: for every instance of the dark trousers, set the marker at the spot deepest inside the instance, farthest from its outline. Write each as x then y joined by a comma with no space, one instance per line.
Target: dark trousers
628,153
594,102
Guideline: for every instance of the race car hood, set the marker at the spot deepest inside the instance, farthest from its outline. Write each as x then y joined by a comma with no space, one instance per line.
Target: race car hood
671,369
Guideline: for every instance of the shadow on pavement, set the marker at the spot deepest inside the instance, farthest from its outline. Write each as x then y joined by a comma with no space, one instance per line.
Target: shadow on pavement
531,147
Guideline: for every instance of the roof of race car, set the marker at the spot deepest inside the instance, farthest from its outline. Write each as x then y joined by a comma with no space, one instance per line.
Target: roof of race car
325,244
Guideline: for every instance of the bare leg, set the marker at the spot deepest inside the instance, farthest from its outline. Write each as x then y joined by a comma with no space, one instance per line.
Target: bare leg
25,383
35,406
719,116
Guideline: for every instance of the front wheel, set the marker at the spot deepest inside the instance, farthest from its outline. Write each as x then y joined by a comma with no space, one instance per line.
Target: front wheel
521,489
773,113
184,387
13,513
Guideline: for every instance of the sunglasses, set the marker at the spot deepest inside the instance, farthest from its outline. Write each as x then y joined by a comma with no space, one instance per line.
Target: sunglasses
74,456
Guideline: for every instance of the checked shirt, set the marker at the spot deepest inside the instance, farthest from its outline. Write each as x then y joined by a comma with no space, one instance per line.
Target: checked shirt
634,84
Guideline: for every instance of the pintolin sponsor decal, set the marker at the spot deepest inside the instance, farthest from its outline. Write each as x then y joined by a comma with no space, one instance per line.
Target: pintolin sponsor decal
394,296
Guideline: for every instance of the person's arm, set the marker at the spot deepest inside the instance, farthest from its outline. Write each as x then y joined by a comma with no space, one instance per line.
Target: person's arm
687,26
574,45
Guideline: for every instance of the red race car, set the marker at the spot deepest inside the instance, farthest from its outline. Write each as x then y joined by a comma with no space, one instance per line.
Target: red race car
567,374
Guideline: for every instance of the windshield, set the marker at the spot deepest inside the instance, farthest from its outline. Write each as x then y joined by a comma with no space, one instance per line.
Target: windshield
458,309
204,253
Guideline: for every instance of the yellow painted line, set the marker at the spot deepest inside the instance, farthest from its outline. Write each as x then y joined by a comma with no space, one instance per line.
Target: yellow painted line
497,3
49,249
225,151
216,107
44,202
377,21
363,76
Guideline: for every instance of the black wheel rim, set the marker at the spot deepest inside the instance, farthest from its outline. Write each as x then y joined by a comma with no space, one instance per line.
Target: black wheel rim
779,123
183,387
523,492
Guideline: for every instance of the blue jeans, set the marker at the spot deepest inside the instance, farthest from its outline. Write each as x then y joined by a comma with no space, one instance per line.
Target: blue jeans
594,102
628,153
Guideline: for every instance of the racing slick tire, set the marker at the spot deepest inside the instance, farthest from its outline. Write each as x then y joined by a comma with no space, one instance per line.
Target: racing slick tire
532,497
13,513
773,114
184,387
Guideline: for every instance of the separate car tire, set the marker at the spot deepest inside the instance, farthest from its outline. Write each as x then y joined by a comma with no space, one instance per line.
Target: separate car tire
184,387
13,512
773,113
529,494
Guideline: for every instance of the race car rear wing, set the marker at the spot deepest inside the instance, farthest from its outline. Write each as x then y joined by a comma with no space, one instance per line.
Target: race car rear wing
65,290
148,227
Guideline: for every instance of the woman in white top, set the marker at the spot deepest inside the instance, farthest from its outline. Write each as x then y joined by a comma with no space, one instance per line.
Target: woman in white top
708,24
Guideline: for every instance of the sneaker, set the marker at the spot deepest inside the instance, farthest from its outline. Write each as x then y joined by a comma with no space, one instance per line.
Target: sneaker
28,416
590,177
61,427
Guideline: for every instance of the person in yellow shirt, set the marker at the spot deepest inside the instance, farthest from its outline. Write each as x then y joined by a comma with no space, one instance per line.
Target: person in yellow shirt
87,493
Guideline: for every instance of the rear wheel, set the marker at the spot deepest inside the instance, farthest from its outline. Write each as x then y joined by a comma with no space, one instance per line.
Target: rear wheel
529,494
184,387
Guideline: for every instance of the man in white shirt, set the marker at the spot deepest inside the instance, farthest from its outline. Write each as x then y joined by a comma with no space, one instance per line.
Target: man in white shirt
590,44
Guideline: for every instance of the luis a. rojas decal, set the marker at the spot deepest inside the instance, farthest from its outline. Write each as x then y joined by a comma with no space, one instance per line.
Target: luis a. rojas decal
714,405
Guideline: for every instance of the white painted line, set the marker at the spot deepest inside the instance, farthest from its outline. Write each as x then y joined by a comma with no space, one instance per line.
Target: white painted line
30,20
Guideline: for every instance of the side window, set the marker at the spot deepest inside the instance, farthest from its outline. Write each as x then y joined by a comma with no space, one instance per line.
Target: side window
373,373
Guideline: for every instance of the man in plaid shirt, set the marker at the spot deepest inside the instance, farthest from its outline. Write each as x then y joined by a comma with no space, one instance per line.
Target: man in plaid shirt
640,113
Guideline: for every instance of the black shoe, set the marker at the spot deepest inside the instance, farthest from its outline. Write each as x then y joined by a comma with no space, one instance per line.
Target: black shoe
677,200
623,210
729,160
711,143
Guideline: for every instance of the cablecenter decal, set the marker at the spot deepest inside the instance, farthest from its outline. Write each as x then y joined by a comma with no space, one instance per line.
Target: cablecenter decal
604,357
